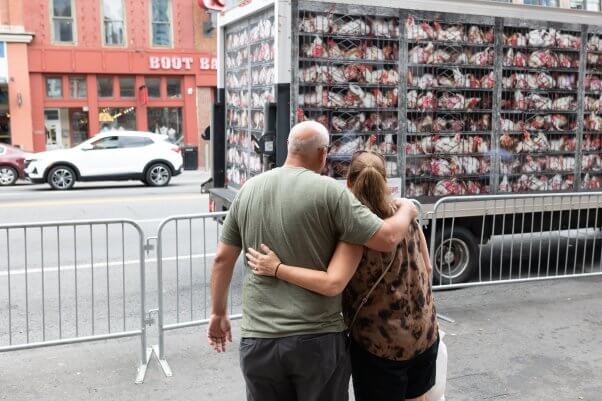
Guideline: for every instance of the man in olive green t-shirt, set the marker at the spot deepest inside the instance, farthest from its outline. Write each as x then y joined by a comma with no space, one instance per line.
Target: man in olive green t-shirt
293,346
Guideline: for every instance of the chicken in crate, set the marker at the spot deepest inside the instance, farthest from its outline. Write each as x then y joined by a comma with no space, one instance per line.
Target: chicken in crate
591,163
539,124
348,79
450,84
249,79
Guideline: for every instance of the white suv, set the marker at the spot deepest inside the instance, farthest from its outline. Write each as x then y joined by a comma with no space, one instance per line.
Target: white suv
109,156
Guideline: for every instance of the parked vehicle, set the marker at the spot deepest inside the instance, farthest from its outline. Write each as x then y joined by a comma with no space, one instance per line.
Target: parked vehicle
109,156
12,164
461,97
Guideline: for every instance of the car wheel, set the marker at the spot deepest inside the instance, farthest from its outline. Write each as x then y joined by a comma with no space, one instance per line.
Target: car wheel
456,256
8,176
61,178
158,175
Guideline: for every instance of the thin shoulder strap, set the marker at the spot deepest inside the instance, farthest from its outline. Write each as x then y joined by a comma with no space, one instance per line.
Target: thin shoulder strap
365,298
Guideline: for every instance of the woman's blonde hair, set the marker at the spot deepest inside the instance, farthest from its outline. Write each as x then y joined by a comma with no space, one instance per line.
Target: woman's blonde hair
367,179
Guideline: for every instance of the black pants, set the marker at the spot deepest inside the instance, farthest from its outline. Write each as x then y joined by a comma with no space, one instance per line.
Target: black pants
297,368
380,379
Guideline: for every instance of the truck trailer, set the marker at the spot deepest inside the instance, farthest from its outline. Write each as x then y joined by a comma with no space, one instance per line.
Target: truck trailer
463,98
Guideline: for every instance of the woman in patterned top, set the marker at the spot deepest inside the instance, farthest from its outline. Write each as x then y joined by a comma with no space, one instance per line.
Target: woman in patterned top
394,335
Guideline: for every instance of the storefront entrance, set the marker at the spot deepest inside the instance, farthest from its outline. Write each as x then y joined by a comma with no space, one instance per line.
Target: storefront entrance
65,127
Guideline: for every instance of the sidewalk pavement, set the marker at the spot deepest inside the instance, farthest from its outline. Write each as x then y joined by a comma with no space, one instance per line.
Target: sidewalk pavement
530,342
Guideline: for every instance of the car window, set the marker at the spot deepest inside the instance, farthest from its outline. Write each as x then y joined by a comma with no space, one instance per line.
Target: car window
134,141
2,150
109,142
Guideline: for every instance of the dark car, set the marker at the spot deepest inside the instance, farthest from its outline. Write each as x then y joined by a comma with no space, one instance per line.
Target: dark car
12,164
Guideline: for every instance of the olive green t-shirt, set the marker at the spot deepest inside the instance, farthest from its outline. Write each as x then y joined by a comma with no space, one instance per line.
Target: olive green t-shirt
301,216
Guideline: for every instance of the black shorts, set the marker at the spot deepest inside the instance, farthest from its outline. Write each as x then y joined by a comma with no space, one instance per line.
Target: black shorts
380,379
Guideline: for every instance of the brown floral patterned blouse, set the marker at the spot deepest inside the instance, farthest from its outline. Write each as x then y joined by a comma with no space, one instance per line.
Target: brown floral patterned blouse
399,320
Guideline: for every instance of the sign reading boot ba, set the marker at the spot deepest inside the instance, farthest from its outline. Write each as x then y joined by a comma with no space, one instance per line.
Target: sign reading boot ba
185,63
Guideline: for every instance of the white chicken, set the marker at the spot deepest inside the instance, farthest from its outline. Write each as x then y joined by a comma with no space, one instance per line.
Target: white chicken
426,81
421,54
470,165
451,101
504,185
488,81
355,27
542,58
453,33
368,99
420,31
448,145
384,27
484,57
315,49
568,41
593,122
516,39
564,103
539,102
412,99
415,190
446,188
440,56
542,37
426,101
566,81
475,35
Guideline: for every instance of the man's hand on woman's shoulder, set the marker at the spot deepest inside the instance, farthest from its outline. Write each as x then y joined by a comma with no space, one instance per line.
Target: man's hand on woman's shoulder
407,206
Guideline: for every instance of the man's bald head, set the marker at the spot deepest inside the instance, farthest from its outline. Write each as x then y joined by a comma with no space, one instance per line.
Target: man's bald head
306,138
307,143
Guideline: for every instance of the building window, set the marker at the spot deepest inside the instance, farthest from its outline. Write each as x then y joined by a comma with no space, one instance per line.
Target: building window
117,118
594,5
166,121
543,3
113,22
577,4
77,88
105,86
174,88
153,86
126,86
161,22
54,87
62,21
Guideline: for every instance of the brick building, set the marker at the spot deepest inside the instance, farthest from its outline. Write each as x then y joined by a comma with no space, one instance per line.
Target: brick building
99,64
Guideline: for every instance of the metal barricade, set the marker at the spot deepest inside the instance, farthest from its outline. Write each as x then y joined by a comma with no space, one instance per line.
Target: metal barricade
186,246
72,282
492,239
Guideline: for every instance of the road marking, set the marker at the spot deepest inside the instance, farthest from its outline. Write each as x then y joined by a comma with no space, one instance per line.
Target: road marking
97,201
88,266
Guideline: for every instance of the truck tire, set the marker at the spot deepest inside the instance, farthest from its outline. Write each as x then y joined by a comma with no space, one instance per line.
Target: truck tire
61,178
459,259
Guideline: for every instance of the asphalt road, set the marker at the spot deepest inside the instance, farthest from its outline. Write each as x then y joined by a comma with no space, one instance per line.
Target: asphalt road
85,279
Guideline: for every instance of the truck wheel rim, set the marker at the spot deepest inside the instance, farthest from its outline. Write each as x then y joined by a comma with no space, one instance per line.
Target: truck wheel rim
62,178
7,176
451,259
159,175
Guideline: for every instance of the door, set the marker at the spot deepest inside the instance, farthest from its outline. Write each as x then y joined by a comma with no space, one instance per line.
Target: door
103,157
54,136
